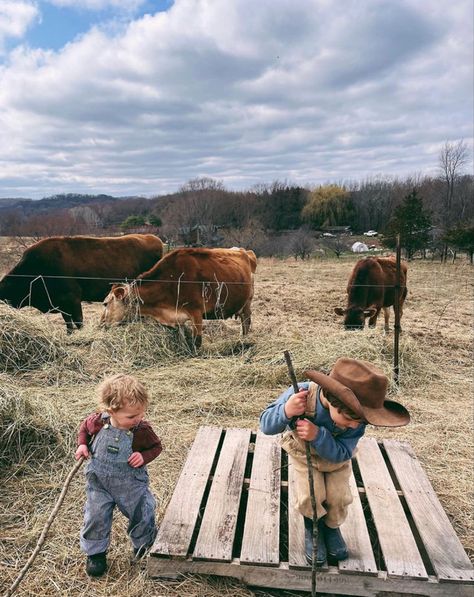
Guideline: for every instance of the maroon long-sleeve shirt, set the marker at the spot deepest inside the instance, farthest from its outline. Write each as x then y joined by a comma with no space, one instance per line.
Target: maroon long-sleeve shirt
144,440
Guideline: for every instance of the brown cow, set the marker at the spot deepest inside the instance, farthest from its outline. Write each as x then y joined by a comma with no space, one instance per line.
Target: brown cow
371,287
188,284
57,273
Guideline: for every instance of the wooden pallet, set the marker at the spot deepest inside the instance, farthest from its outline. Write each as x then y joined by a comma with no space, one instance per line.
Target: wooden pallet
230,516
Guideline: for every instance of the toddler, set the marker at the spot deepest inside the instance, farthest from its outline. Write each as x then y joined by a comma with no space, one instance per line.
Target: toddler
120,443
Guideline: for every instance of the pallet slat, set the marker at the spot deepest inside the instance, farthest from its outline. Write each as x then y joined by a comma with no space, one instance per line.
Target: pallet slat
442,545
176,529
400,552
355,533
216,535
261,538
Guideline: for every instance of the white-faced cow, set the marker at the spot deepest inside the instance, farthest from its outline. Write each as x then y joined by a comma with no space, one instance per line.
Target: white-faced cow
371,287
188,284
57,273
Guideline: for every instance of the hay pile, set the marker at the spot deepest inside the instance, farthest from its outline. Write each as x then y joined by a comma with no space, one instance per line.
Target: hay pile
25,344
139,344
31,431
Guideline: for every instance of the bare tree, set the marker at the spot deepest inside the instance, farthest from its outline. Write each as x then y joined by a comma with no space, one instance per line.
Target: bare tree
452,158
302,244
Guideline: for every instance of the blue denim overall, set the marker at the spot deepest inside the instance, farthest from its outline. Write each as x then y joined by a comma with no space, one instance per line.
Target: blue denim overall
111,482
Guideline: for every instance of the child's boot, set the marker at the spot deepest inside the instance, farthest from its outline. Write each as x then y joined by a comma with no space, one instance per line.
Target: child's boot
308,542
96,564
336,546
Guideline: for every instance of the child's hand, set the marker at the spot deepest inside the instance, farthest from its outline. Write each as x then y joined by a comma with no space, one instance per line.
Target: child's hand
136,460
306,430
296,404
81,451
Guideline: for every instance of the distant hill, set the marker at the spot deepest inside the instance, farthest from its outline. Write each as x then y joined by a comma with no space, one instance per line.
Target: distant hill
56,202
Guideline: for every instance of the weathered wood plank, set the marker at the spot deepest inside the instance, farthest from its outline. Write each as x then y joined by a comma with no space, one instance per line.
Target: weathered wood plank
296,551
442,545
327,581
354,530
400,552
216,535
261,538
177,526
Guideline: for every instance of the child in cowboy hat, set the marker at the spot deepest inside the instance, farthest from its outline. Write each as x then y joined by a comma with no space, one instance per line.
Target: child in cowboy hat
336,409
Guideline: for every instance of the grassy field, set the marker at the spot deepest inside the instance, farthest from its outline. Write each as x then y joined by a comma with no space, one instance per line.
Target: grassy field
48,382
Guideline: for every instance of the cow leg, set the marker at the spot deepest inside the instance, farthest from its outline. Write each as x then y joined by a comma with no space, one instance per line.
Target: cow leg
386,315
373,319
246,318
76,314
69,322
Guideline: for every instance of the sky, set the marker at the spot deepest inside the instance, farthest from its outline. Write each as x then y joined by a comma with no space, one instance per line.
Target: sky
137,97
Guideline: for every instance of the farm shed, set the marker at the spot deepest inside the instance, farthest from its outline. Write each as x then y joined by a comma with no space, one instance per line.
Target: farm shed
231,515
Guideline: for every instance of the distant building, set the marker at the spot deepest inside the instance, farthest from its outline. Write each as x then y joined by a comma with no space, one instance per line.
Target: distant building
336,230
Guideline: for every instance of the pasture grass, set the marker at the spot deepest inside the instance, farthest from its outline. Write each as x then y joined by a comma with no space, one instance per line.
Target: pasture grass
228,383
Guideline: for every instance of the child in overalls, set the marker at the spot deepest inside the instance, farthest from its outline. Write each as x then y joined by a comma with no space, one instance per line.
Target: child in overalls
122,445
336,408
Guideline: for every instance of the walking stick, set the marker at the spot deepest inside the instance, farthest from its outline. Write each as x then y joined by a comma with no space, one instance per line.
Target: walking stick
49,522
292,375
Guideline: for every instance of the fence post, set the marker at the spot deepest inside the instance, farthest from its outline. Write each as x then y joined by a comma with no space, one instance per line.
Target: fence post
396,308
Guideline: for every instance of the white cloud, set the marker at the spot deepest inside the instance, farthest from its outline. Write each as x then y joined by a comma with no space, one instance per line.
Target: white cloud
239,90
15,18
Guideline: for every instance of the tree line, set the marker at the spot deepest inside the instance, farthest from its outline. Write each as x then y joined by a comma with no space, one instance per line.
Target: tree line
429,212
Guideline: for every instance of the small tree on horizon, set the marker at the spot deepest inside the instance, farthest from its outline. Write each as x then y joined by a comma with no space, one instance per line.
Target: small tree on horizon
411,222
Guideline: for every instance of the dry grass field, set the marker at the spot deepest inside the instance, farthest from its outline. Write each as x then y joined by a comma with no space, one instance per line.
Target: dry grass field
48,381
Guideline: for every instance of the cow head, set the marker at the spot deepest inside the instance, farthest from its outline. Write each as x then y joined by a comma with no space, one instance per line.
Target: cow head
354,317
116,305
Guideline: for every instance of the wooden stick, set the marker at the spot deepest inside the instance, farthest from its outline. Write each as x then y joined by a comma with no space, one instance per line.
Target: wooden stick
49,522
294,382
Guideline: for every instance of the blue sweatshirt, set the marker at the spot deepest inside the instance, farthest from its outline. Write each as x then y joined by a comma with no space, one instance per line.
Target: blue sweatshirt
332,442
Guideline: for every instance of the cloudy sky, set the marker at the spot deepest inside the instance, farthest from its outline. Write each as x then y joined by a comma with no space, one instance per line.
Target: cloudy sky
140,96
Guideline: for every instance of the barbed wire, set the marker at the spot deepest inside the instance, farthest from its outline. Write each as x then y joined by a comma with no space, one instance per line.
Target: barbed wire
118,280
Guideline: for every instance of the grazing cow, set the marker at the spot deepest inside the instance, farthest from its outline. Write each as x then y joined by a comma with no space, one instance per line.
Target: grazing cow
57,273
371,287
188,284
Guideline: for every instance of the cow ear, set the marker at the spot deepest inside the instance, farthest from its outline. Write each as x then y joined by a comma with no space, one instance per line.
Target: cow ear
370,312
119,292
339,311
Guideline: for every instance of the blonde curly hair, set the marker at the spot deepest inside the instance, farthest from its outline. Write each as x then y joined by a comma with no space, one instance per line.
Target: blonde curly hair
119,390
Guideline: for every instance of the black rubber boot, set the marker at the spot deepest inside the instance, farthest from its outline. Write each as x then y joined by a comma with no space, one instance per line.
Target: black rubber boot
336,546
97,564
308,542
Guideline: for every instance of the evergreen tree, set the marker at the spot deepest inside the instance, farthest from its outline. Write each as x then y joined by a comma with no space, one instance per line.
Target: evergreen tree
411,222
462,239
133,222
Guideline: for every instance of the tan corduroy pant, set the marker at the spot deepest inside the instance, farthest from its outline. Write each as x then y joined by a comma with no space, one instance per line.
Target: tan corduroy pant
331,482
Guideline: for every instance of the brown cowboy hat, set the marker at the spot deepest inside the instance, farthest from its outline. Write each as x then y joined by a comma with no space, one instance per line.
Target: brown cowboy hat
362,387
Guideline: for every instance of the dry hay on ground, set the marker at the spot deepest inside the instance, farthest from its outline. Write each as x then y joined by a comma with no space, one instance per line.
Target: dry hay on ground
228,384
